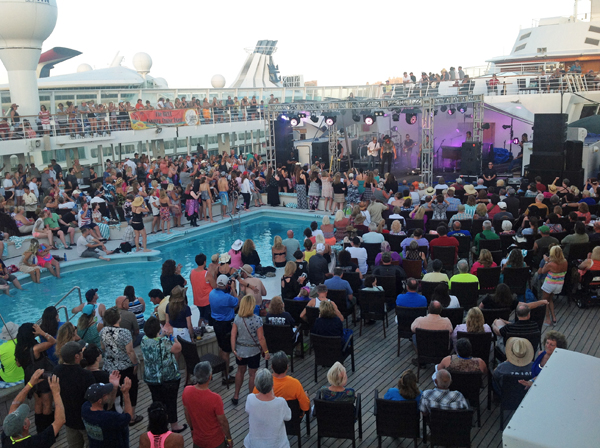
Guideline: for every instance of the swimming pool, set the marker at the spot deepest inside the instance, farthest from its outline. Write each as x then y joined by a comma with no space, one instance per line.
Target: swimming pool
27,305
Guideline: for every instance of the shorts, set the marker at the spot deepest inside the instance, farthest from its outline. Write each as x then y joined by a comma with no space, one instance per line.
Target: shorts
552,288
253,362
19,193
139,226
65,229
43,263
205,314
224,198
223,333
46,127
91,226
11,278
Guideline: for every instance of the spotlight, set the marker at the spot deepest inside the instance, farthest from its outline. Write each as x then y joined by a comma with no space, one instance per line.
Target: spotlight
395,129
443,108
451,111
314,118
301,115
506,126
283,117
462,108
369,120
356,117
379,113
395,117
515,141
411,118
330,120
485,126
294,121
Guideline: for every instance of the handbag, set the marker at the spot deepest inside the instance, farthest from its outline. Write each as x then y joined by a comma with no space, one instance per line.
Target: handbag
262,353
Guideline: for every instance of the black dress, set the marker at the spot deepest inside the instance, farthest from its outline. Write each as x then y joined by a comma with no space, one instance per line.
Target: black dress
273,192
168,282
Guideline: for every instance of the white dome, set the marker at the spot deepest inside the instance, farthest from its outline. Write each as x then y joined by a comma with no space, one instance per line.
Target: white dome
26,24
142,62
84,68
217,81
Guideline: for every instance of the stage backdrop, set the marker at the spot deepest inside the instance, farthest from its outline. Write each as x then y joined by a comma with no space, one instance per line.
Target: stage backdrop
145,119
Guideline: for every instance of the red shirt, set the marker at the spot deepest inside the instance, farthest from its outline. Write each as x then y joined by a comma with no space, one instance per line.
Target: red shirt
540,187
445,241
200,287
203,407
139,106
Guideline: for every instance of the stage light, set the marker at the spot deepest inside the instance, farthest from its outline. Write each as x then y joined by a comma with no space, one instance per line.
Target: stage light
378,113
443,108
462,108
356,117
395,128
330,120
411,118
506,126
369,120
283,117
485,126
314,118
451,111
294,121
301,115
395,117
515,141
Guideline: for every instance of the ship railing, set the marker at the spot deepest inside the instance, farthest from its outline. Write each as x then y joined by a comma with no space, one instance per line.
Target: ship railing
102,124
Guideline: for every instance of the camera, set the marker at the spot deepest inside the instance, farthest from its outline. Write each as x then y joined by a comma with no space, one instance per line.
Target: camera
47,375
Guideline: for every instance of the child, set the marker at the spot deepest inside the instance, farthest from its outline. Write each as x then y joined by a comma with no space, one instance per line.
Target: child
127,210
303,294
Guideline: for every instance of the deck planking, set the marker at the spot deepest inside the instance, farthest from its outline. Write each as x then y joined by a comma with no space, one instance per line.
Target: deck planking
378,367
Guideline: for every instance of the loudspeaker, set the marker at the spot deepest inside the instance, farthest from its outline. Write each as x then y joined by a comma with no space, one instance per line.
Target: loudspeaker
320,153
550,132
547,161
573,155
574,176
470,161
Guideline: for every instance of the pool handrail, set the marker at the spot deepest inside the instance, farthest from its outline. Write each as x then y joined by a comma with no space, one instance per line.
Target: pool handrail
67,318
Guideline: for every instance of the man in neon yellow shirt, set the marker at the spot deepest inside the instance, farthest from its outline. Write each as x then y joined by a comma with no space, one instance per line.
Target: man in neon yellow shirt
10,372
463,275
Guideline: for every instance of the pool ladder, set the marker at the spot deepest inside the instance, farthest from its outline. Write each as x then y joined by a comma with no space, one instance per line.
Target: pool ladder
58,308
235,219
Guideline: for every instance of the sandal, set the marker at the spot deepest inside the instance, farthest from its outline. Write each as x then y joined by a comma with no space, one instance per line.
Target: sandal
136,420
183,428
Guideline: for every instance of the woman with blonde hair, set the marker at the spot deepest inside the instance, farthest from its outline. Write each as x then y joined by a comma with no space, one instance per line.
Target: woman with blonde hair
320,239
480,212
337,390
396,228
290,282
485,261
555,269
247,340
475,323
340,223
249,254
592,263
407,389
327,191
66,333
28,263
327,229
278,252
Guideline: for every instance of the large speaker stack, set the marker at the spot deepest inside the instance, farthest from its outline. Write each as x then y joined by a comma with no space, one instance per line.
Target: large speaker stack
574,162
548,156
470,161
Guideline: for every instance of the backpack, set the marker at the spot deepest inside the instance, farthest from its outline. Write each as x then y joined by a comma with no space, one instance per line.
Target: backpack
126,247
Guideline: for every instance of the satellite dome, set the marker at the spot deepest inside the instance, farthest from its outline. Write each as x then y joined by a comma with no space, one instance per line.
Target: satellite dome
26,24
142,62
84,68
217,81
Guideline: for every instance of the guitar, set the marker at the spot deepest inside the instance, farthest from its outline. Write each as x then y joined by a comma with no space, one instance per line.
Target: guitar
406,148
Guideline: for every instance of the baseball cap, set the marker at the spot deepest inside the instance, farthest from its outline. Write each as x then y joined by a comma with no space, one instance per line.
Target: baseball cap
502,205
89,309
96,391
89,295
13,422
70,349
223,174
222,280
544,229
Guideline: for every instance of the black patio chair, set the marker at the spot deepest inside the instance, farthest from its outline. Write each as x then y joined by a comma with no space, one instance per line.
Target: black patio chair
447,255
427,289
293,426
512,393
467,293
469,384
337,419
283,338
432,347
450,427
329,350
405,317
454,314
339,297
517,279
397,419
372,307
488,279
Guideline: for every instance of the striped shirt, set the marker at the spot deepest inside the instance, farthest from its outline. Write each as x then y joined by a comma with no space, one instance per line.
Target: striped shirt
555,278
442,399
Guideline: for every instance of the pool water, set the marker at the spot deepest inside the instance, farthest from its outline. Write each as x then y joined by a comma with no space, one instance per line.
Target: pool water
110,279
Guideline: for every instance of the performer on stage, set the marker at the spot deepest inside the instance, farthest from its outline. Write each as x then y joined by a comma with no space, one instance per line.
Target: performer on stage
372,150
469,137
388,153
407,146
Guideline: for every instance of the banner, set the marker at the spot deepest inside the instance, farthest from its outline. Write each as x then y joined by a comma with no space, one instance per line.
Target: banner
146,119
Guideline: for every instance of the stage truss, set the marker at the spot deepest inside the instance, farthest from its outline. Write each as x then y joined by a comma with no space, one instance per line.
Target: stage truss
428,106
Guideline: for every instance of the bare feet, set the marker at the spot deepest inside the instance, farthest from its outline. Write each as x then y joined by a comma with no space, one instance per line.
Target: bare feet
147,250
212,220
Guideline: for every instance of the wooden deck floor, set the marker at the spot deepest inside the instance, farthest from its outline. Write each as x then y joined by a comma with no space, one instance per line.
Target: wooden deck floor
378,367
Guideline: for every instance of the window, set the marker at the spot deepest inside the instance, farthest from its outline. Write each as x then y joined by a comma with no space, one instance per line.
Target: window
588,110
591,41
594,29
520,47
525,36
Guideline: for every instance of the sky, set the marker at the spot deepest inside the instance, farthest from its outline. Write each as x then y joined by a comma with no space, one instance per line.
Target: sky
333,42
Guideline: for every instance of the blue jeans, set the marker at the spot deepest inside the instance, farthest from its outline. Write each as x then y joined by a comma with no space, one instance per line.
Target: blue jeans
372,162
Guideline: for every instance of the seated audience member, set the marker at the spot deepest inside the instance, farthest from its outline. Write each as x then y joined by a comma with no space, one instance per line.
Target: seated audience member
371,284
460,216
503,214
463,361
485,261
436,275
387,269
360,253
337,282
441,397
411,299
416,236
385,247
277,315
321,296
443,240
442,295
373,236
433,321
285,386
337,390
523,325
475,324
413,252
408,388
463,275
457,230
579,237
583,211
502,298
396,227
507,228
318,269
519,353
487,234
552,340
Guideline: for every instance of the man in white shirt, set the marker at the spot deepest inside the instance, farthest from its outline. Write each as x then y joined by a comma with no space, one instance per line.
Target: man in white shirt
130,163
87,246
360,253
30,200
372,151
33,187
372,236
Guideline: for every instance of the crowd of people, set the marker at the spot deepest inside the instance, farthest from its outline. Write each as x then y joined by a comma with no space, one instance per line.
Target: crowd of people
94,389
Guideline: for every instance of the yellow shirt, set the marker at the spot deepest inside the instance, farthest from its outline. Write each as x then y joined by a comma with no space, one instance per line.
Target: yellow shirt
308,254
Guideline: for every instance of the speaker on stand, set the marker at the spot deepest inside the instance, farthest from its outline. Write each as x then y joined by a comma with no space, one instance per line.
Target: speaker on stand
470,161
573,155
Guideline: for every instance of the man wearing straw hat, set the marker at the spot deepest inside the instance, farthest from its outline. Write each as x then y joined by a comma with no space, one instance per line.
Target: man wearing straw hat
10,373
519,356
